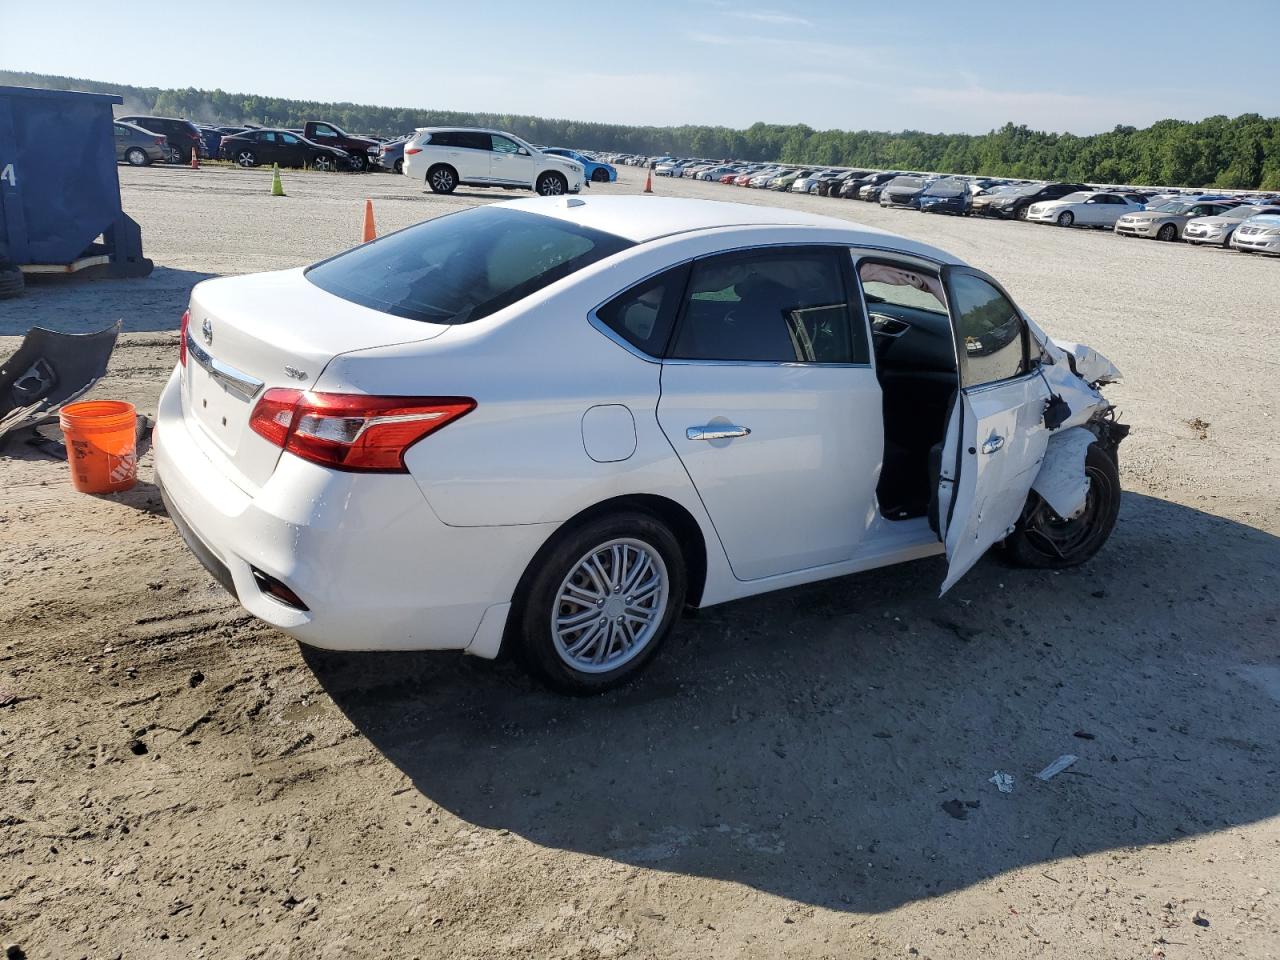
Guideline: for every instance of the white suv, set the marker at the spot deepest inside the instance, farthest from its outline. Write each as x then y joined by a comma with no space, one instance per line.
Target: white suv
448,156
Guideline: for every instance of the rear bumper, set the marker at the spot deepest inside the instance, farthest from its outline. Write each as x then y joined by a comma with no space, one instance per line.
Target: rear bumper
375,567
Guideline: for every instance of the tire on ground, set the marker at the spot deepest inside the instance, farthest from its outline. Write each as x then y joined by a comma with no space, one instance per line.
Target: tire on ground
530,625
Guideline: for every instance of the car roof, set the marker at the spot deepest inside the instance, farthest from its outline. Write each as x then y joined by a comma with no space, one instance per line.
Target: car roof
644,218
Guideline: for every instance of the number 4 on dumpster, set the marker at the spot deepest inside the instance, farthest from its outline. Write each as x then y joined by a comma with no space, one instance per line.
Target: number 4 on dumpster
7,175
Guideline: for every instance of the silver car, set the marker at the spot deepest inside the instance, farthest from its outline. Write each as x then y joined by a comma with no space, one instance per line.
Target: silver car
138,147
1219,230
1164,221
1258,235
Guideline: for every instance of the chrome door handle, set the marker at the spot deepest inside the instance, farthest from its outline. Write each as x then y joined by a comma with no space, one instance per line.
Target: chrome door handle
727,432
992,443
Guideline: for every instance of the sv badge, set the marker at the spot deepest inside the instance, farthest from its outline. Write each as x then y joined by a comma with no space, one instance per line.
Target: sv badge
295,373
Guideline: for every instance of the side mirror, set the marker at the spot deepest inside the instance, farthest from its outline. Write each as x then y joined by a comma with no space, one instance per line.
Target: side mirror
523,152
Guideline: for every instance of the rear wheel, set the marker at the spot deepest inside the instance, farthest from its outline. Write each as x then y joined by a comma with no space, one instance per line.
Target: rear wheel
1167,233
551,185
399,167
1043,539
246,158
598,602
442,179
1066,218
136,157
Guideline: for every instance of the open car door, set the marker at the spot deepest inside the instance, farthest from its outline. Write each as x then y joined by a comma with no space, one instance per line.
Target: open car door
996,437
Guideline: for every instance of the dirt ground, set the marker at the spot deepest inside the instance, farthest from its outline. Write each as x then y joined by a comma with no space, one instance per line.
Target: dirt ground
804,774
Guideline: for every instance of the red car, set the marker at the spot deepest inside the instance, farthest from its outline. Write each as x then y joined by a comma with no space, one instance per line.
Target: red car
741,179
729,178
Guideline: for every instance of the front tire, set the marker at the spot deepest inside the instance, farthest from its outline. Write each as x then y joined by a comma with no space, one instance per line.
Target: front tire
551,185
1066,218
322,163
136,157
442,179
1022,213
1043,540
599,601
359,163
1168,233
599,175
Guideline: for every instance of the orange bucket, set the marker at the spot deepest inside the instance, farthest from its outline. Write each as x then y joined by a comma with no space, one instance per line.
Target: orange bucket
102,445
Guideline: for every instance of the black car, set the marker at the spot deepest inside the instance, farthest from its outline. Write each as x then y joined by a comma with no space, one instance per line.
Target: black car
1012,203
873,184
183,135
254,148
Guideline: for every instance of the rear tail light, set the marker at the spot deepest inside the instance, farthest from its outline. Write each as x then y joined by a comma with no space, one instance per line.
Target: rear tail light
409,151
182,337
352,432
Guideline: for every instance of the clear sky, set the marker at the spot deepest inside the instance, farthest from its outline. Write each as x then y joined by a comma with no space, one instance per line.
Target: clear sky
957,66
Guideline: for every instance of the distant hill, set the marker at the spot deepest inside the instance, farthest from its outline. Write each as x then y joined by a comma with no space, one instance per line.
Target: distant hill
1240,153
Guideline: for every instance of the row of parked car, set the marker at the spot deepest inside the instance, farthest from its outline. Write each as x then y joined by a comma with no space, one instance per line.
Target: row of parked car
1247,222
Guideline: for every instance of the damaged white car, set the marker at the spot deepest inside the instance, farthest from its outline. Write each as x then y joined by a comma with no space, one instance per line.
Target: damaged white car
554,424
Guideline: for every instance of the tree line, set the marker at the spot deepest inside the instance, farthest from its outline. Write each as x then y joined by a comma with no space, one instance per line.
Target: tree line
1232,152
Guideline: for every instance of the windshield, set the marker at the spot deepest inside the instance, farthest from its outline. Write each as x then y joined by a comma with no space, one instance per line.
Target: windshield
1080,196
1171,206
947,188
464,266
905,182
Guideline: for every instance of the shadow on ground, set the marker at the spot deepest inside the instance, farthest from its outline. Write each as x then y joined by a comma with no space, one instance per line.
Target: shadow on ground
72,305
804,743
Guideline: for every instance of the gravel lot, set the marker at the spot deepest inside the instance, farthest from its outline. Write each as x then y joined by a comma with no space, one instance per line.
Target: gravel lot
180,780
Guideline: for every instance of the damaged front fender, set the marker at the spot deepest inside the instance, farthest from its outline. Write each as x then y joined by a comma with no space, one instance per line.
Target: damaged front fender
1062,480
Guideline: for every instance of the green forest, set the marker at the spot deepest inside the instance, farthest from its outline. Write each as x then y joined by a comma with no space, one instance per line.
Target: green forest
1232,152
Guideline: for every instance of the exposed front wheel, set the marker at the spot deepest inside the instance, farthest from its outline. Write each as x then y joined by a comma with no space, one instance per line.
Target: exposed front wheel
599,175
136,157
1066,218
599,601
551,185
1167,233
1043,539
442,179
247,158
322,162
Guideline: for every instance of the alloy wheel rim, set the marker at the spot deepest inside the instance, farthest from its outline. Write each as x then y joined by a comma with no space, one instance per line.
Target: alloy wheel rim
442,179
322,163
245,160
610,605
551,187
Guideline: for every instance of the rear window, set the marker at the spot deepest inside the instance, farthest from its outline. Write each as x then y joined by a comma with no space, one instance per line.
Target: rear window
464,266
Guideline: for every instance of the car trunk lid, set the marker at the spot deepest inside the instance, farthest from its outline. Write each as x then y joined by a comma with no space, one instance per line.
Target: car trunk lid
248,334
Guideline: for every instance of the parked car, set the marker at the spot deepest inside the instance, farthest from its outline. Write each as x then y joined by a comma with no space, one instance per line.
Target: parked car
784,180
869,189
444,157
1218,229
1164,221
391,154
948,195
833,186
138,147
453,437
903,192
1258,235
183,136
211,137
264,146
1014,202
1085,208
594,170
362,151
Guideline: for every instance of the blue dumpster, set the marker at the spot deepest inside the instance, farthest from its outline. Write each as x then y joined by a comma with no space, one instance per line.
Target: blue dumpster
59,190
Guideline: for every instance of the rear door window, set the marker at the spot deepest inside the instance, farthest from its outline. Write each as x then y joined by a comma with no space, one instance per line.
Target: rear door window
784,305
464,266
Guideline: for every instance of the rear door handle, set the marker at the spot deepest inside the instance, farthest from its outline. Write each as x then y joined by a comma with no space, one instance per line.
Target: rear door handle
992,443
726,432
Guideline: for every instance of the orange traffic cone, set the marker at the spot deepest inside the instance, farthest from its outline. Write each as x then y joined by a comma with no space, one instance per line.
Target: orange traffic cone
648,182
195,157
370,231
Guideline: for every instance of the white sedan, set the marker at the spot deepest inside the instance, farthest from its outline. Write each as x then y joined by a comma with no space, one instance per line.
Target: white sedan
556,423
1085,208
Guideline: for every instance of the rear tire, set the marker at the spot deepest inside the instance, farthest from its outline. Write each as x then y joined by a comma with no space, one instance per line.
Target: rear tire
246,158
399,167
1043,540
630,568
136,157
359,162
442,179
551,185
